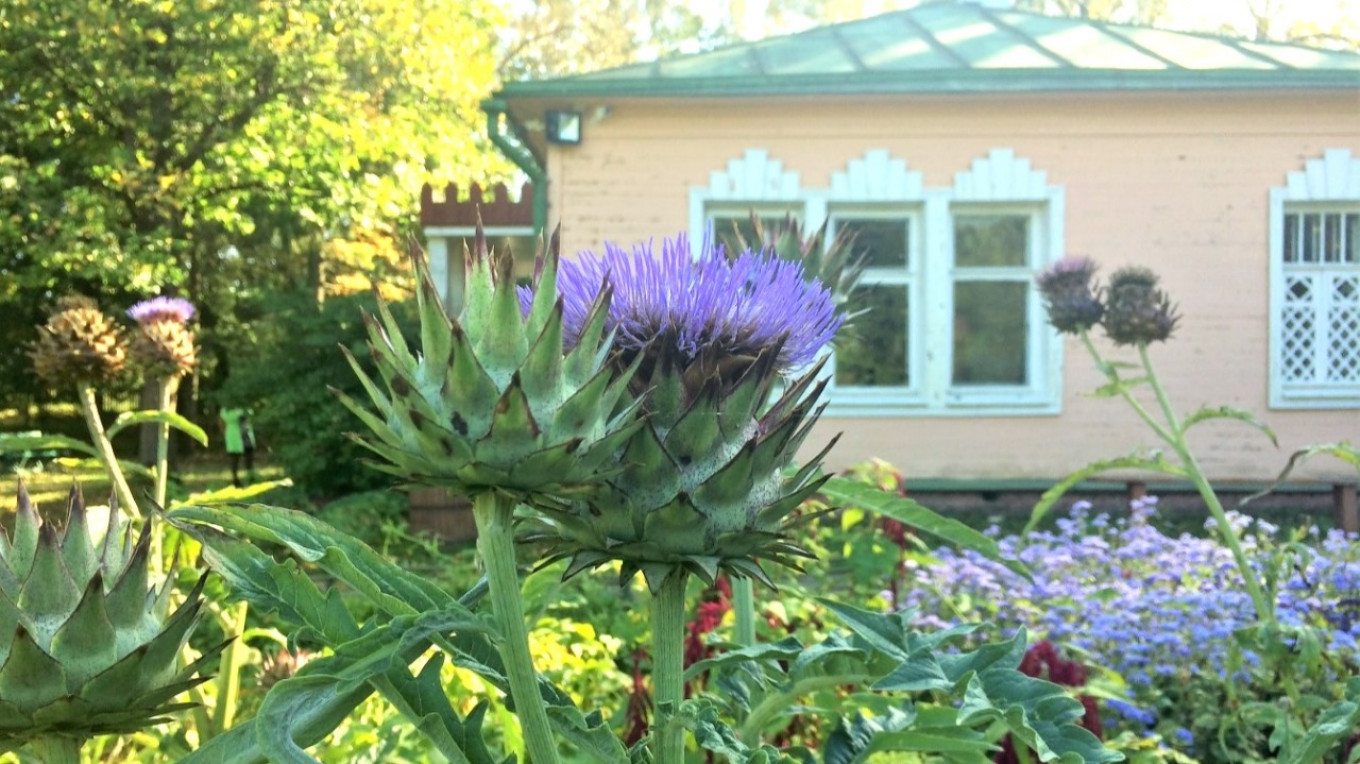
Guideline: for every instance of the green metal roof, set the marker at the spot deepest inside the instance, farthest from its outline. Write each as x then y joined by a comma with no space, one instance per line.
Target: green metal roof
964,47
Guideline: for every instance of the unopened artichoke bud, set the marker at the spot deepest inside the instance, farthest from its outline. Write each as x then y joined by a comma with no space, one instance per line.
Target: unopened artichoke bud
835,266
87,646
494,400
704,484
1072,303
1136,311
78,344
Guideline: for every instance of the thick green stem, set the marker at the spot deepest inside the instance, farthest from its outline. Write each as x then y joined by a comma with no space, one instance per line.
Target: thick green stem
1264,609
56,749
101,443
229,670
744,608
1113,375
168,386
496,545
668,668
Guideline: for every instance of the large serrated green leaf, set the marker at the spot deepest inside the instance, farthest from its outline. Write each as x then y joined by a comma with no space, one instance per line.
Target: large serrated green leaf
1154,462
1337,723
232,494
21,444
1038,713
273,586
1208,413
845,491
386,648
785,649
421,699
389,585
884,632
177,421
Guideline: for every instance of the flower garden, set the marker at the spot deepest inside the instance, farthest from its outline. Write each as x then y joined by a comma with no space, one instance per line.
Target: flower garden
656,578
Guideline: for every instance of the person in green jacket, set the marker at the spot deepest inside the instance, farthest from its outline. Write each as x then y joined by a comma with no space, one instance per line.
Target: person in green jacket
239,437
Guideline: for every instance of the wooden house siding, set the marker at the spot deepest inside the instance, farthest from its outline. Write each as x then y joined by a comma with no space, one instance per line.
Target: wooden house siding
1178,182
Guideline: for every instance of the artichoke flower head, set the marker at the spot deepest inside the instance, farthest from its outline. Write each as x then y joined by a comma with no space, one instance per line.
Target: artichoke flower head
702,485
78,344
490,401
87,646
164,344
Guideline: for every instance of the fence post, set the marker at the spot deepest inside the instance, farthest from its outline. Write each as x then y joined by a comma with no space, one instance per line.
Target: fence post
1344,504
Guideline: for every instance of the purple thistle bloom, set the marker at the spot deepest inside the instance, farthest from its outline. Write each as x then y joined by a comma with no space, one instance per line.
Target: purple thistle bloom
175,309
706,306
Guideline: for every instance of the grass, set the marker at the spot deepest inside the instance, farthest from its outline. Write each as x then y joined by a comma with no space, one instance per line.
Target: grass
51,483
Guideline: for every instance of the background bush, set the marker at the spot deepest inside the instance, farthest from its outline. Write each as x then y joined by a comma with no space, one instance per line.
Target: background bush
284,377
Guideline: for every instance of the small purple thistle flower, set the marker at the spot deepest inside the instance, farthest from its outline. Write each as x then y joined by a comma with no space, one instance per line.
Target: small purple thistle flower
1073,305
702,306
175,309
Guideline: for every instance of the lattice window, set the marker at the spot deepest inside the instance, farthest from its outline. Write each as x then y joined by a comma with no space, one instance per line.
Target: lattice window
1315,273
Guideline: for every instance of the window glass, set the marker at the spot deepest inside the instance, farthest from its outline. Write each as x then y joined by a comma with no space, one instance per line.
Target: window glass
990,240
990,332
736,232
1291,238
882,243
1352,246
872,350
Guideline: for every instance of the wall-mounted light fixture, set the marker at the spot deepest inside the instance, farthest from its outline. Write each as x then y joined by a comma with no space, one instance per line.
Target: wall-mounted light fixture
563,126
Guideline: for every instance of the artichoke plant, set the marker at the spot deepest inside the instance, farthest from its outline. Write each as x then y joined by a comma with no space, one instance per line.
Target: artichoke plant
702,486
491,402
87,645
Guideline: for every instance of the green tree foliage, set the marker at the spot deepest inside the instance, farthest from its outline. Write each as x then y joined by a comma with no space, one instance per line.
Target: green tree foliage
551,38
1144,12
216,148
141,138
282,370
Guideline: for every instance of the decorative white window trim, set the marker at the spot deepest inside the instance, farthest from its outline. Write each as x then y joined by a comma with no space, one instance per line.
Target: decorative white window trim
753,181
1001,176
1314,306
878,185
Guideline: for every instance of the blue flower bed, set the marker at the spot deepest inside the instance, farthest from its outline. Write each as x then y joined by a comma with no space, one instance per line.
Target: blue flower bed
1159,611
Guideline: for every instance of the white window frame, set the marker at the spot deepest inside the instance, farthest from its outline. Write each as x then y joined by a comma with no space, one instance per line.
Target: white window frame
849,398
1038,338
876,184
1328,184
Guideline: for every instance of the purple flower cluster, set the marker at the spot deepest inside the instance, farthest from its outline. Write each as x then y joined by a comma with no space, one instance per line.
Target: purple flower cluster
175,309
1135,600
705,304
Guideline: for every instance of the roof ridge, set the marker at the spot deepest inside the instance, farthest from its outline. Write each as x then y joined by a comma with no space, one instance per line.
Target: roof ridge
965,47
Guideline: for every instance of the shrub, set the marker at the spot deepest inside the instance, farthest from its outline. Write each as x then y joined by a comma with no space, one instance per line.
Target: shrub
284,378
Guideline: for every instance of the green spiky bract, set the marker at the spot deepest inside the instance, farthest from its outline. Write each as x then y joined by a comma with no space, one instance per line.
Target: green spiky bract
87,646
491,402
703,485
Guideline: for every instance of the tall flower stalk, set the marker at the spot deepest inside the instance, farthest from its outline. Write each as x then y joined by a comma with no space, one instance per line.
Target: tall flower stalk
80,345
702,487
164,348
1136,312
499,406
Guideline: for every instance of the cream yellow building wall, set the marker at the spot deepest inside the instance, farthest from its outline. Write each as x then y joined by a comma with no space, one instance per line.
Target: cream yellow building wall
1178,182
